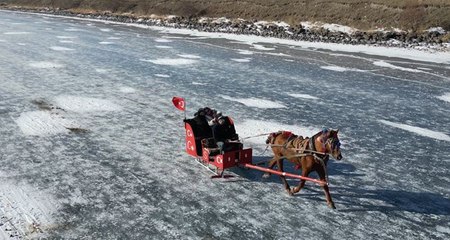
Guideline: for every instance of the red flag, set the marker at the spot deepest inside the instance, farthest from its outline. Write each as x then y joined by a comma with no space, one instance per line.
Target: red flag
179,103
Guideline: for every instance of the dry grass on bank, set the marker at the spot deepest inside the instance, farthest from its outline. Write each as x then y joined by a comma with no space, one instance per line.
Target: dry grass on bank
404,14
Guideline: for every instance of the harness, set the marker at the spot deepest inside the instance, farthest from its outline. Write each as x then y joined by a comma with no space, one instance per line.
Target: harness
303,151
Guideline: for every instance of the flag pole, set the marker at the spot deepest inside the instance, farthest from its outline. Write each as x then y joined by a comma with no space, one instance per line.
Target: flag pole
185,107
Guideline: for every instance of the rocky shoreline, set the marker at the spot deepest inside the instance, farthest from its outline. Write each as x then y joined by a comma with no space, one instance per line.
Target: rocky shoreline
435,40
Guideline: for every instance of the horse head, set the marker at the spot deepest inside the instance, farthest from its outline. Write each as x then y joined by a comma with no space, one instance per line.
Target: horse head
333,145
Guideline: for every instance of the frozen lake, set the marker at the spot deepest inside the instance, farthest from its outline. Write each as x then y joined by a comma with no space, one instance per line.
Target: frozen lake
91,146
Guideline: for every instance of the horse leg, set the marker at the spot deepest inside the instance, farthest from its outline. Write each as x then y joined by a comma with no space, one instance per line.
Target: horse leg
270,166
326,190
283,178
305,173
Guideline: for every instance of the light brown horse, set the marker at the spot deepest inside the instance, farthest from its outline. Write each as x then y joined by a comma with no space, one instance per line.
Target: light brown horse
311,154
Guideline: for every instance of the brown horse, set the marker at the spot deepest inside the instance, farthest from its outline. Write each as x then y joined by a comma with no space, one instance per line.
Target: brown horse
311,154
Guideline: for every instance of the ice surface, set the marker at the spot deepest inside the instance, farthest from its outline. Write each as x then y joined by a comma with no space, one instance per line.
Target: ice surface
127,176
255,102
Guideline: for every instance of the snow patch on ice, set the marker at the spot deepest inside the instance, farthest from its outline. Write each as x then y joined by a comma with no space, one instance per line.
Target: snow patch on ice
162,75
417,130
101,70
163,47
28,211
191,56
251,127
65,41
57,48
445,97
241,60
245,52
261,47
41,123
127,89
113,38
105,29
16,33
73,30
85,104
255,102
388,65
171,61
106,43
443,229
163,40
305,96
341,69
66,37
199,83
45,64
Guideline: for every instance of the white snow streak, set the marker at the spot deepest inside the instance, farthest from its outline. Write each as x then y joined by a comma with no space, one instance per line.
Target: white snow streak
245,52
127,89
162,75
163,40
16,33
388,65
417,130
85,104
255,102
241,60
57,48
341,69
261,47
44,64
445,97
163,47
171,61
305,96
192,56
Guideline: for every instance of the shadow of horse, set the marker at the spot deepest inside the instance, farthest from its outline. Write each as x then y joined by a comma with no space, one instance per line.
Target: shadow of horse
357,199
386,200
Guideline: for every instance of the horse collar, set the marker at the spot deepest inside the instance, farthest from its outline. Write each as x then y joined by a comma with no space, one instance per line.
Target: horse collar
311,144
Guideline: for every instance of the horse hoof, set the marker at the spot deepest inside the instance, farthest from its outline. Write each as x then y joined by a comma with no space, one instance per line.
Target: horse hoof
331,205
289,192
266,175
